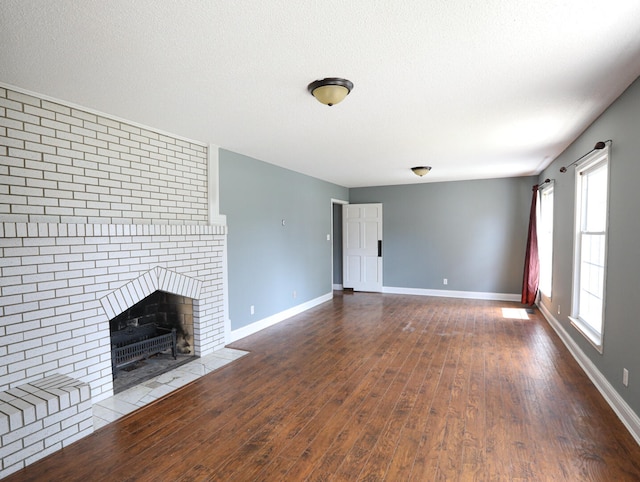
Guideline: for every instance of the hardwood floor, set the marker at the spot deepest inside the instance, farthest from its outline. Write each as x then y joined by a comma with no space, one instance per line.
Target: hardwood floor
372,387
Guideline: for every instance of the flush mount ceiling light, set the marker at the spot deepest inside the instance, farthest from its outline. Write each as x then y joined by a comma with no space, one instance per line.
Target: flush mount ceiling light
421,170
331,90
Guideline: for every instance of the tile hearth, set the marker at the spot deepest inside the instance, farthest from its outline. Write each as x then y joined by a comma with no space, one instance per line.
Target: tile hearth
123,403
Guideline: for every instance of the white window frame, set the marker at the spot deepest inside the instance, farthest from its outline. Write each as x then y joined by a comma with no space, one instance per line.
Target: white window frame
591,162
546,192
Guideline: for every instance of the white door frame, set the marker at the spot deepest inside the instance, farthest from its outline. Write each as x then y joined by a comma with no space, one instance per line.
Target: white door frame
342,203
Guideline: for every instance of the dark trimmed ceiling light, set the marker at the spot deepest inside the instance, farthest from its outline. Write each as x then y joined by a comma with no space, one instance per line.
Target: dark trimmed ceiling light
330,91
421,170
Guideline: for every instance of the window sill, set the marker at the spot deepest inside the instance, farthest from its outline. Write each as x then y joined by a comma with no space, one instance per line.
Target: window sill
594,338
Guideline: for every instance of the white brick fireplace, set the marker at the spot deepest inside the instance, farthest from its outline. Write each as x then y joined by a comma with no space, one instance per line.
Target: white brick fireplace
94,213
68,281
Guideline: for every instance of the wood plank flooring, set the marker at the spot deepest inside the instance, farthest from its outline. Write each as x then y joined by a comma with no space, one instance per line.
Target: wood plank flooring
372,387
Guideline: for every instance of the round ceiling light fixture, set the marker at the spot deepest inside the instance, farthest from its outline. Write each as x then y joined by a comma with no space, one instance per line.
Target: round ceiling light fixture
330,91
421,170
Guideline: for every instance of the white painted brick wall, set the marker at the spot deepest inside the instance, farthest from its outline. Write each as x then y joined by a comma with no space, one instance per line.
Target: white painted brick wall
39,418
56,309
63,165
90,205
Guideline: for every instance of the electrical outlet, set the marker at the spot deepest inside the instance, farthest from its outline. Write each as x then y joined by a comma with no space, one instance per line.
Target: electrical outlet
558,309
445,281
253,310
295,295
625,377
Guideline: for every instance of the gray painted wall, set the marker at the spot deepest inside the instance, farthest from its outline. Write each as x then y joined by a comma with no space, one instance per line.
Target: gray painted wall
473,233
266,260
622,322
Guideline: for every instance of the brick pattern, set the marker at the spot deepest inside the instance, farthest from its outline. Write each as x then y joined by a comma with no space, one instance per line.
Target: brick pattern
91,209
158,278
39,418
59,164
87,204
53,278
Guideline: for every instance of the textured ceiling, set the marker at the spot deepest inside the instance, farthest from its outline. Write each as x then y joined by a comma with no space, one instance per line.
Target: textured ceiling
476,89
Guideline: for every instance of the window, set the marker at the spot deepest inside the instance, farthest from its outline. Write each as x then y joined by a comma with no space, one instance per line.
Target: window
592,187
545,239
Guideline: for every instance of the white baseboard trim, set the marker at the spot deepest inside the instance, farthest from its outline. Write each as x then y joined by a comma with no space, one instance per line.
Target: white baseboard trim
624,412
338,287
235,335
475,295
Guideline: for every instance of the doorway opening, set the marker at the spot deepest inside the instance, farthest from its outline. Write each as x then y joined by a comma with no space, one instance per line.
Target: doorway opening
336,243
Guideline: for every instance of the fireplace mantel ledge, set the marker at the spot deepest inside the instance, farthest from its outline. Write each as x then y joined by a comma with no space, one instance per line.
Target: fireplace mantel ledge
35,230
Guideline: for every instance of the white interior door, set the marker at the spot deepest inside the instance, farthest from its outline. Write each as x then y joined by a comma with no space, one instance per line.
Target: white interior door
362,247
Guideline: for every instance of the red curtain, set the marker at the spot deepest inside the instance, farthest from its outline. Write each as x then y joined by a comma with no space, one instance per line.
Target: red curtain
531,261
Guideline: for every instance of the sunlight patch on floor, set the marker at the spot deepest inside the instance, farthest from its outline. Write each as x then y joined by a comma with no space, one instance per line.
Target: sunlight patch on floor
515,313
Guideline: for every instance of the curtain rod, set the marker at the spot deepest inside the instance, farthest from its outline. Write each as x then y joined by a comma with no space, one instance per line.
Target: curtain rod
536,187
599,145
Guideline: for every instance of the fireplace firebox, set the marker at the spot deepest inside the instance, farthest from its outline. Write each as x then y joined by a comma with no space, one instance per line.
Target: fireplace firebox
160,325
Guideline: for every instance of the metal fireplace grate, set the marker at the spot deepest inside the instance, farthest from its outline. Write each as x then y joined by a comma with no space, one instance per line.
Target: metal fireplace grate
139,342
